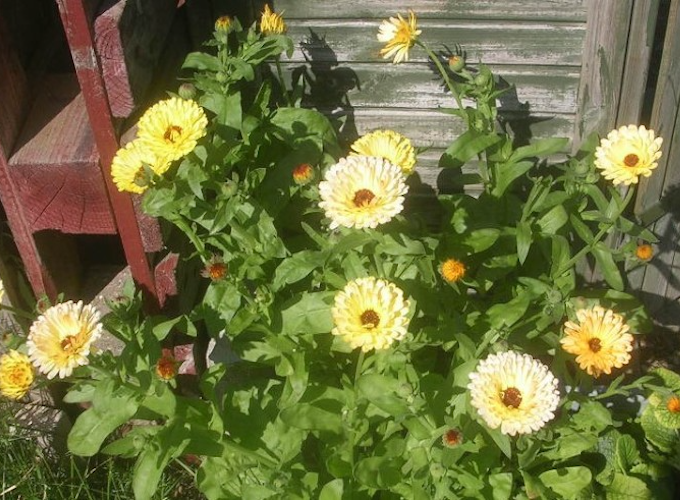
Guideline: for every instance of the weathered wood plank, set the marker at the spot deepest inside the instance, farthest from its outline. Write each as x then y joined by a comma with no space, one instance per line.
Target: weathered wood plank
129,37
340,40
602,72
416,86
664,122
55,165
563,10
638,54
659,270
432,128
77,26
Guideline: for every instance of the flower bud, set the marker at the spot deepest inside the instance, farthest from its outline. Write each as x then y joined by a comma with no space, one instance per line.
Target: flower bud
456,63
187,91
303,174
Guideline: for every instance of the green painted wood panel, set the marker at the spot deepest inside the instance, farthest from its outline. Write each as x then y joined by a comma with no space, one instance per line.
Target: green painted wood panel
565,10
511,42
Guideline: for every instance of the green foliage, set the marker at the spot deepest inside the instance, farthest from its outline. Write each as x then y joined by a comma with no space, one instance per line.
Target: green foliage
293,412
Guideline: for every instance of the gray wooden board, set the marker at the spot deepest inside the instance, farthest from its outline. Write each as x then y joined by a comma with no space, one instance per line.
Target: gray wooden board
511,42
564,10
537,89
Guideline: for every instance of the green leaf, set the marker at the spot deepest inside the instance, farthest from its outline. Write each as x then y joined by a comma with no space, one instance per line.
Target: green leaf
509,313
567,482
670,378
501,440
581,229
506,173
665,439
381,391
501,485
201,61
332,490
627,453
592,416
95,424
309,417
297,267
311,314
542,148
627,488
481,239
465,147
524,240
609,269
552,221
378,472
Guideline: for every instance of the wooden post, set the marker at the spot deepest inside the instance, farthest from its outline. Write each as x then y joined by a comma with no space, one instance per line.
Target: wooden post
602,71
79,35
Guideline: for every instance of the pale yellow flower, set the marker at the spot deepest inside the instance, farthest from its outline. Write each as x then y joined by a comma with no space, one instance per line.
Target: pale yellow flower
171,128
515,392
628,153
370,313
271,23
362,191
389,145
452,270
399,35
133,167
600,340
16,374
60,339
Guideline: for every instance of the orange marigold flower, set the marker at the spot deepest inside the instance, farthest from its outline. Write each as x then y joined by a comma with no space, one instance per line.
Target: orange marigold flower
303,173
215,269
166,367
452,438
644,252
452,270
673,404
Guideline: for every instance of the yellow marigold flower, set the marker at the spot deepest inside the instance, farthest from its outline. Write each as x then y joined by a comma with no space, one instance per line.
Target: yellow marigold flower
600,340
133,167
628,153
452,438
215,268
362,191
370,313
16,374
515,392
389,145
171,128
303,173
644,252
223,24
452,270
399,35
166,367
60,340
271,23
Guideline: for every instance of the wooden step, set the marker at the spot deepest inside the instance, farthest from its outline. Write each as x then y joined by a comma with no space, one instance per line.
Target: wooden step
55,164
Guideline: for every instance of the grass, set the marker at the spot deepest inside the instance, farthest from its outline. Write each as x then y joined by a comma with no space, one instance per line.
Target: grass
30,472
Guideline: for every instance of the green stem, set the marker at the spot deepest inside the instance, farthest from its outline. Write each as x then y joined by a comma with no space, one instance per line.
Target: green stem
279,71
443,72
600,234
191,234
360,364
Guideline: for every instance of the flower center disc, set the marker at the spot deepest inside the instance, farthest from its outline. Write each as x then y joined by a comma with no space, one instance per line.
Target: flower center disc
172,133
631,160
369,318
511,397
363,197
595,344
217,271
69,343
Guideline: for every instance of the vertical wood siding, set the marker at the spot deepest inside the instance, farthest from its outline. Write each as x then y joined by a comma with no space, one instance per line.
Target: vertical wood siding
536,49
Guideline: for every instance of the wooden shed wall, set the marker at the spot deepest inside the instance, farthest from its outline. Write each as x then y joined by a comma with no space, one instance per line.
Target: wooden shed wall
534,47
